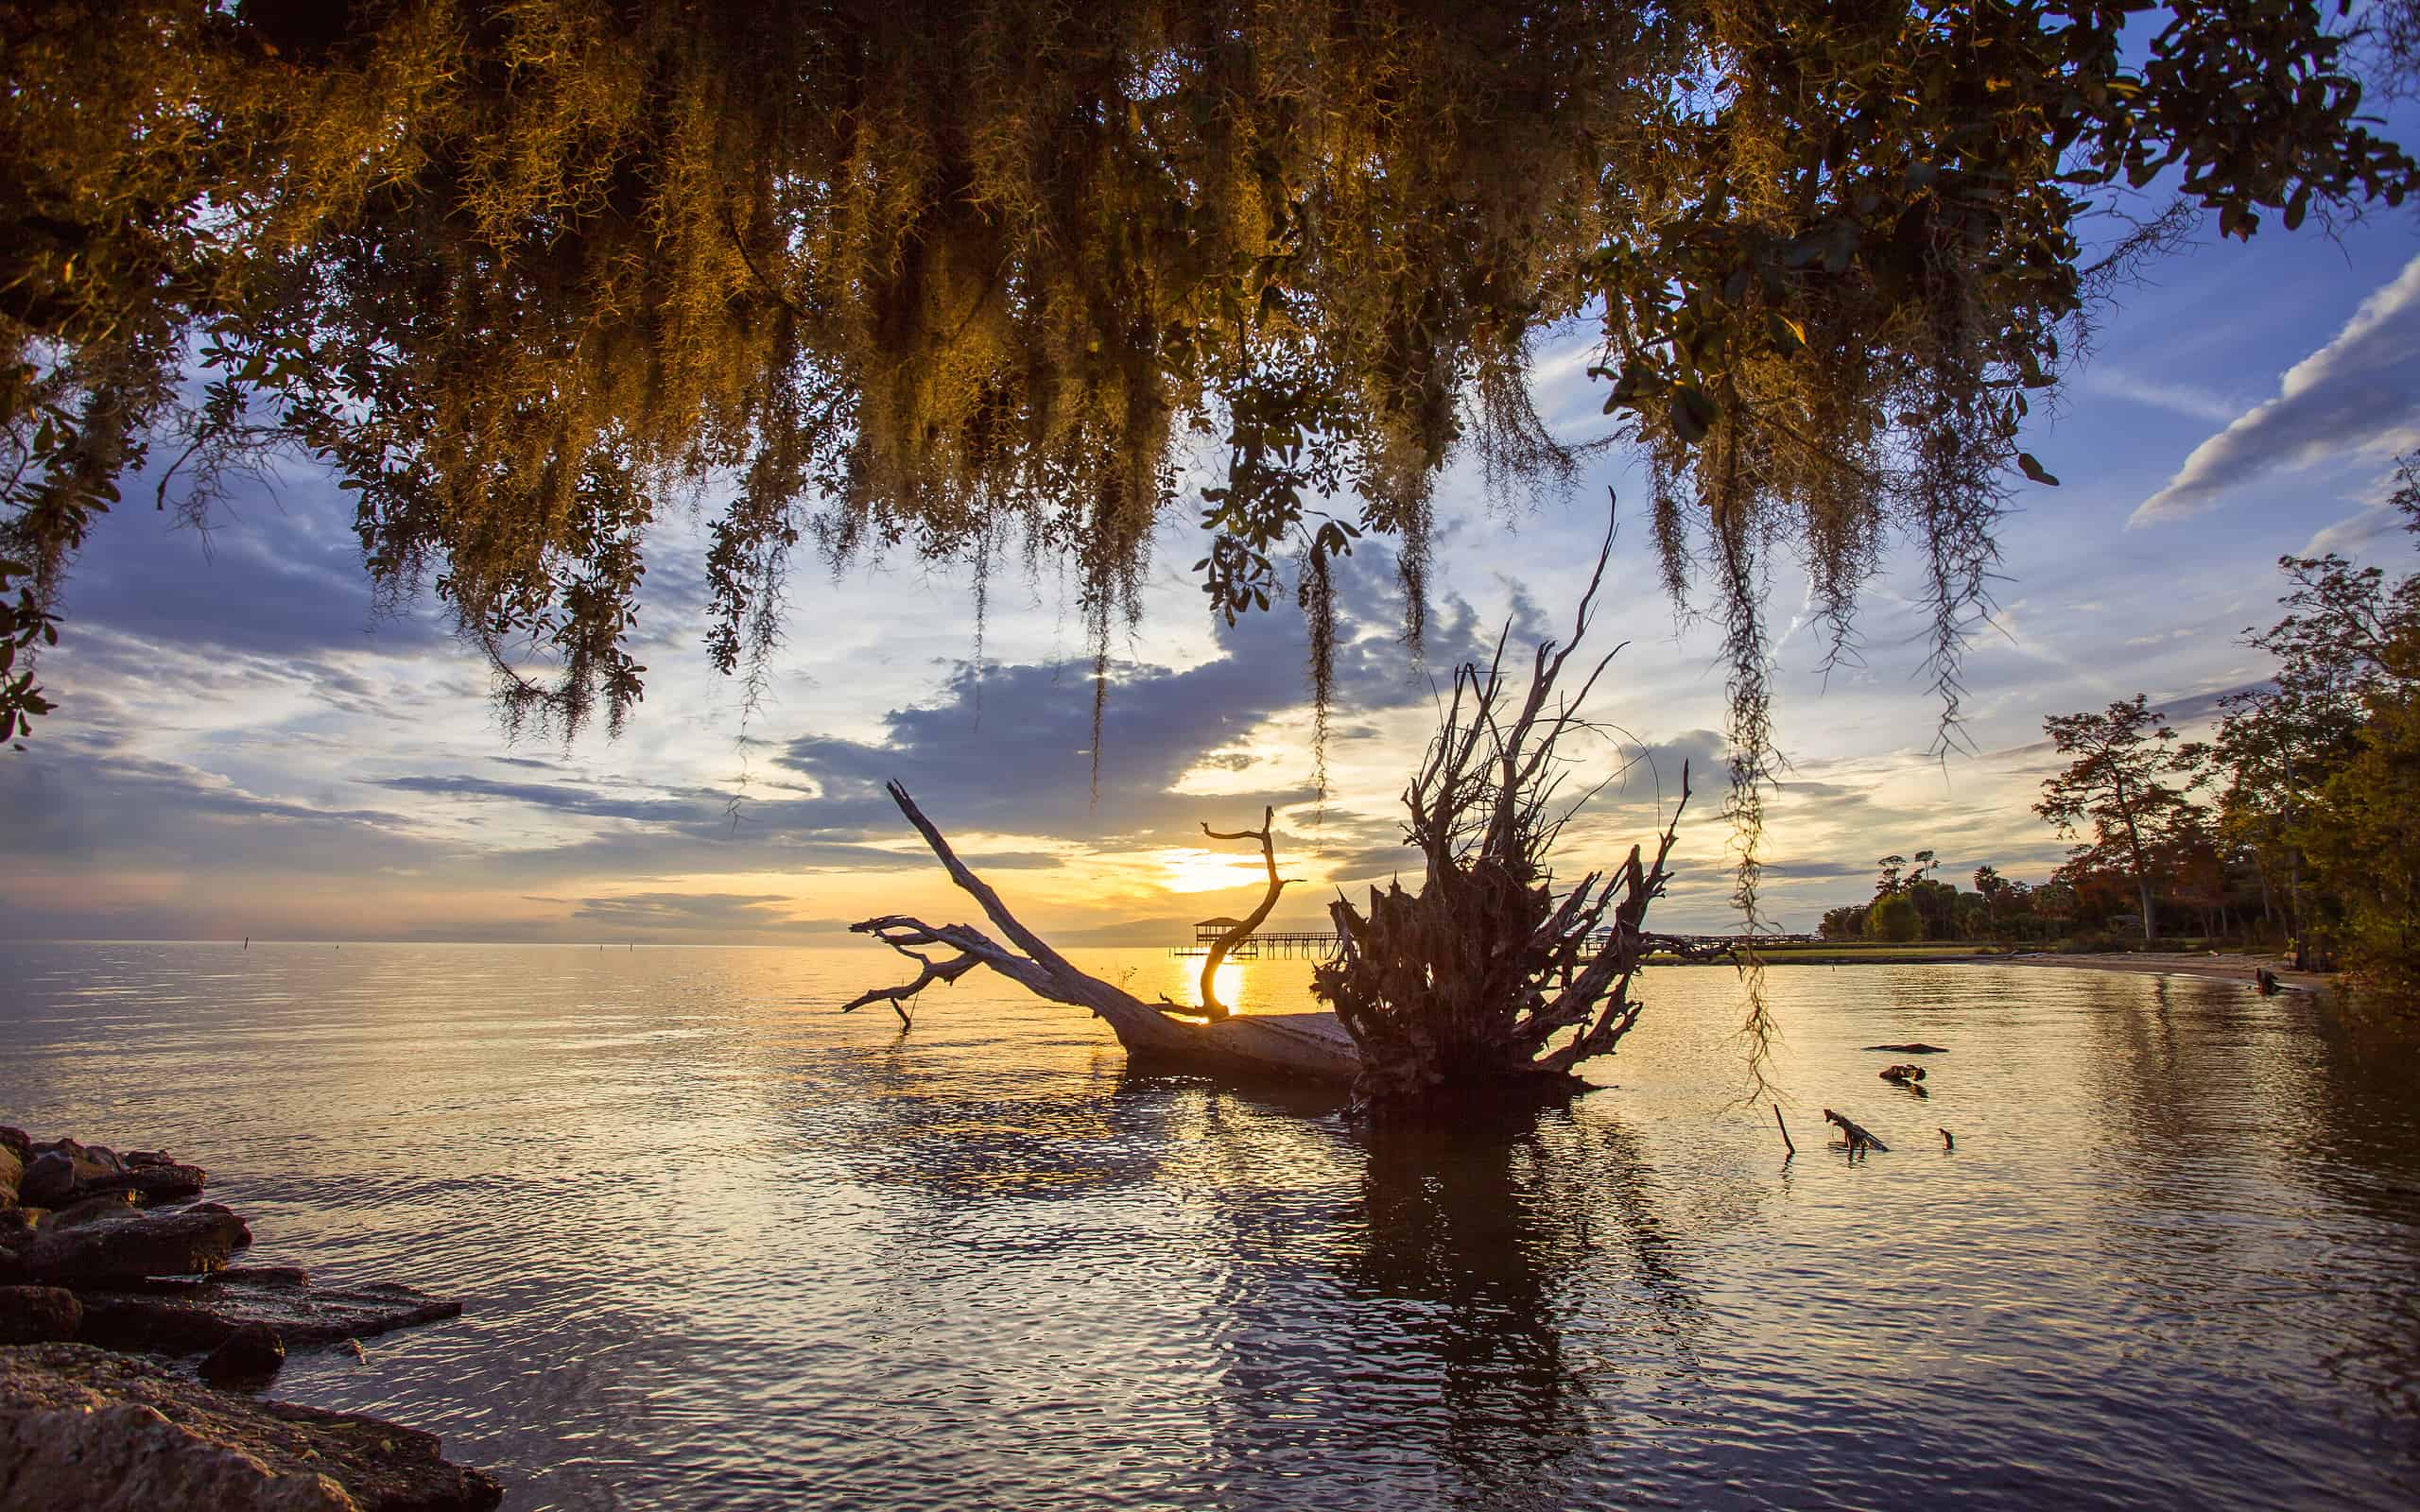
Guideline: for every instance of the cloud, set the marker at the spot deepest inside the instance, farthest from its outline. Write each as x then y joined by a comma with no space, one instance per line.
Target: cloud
718,912
2379,516
2109,381
2358,395
289,583
556,796
1012,754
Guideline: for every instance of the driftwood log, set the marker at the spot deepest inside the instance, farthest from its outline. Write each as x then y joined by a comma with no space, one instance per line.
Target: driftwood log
1311,1045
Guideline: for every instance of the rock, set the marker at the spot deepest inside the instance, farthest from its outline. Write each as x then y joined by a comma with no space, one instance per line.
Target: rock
1905,1072
245,1358
83,1428
16,1232
166,1180
12,1172
182,1242
265,1275
38,1314
101,1155
137,1159
62,1171
49,1179
191,1316
16,1141
87,1209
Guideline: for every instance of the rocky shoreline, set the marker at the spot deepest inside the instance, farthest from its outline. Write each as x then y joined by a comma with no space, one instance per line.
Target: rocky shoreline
102,1253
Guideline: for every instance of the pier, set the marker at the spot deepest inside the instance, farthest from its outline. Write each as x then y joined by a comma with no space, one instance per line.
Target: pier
1319,944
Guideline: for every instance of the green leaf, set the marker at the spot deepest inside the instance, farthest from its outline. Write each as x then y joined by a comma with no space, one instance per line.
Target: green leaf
1694,413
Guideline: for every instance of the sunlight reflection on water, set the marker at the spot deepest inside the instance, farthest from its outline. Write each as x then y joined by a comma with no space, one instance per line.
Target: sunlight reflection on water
724,1248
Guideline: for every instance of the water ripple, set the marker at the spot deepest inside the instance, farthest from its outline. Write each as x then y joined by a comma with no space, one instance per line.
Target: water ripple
723,1248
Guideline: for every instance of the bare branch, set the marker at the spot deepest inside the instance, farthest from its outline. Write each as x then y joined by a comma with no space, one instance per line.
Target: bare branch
1241,931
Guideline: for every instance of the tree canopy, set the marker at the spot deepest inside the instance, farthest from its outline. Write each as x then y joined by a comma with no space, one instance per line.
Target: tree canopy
968,279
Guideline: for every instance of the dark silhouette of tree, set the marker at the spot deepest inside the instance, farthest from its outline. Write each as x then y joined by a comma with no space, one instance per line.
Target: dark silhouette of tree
2117,785
1990,885
1893,917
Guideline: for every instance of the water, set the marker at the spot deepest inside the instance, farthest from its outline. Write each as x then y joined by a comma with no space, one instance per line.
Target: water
723,1248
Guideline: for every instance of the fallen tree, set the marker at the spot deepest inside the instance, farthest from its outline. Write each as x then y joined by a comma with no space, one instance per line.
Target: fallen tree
1485,978
1299,1044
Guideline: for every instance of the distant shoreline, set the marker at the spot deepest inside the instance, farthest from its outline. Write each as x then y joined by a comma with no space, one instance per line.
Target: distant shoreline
2222,967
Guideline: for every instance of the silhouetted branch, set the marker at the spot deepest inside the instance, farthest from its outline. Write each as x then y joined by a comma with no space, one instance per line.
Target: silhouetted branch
1241,932
1286,1044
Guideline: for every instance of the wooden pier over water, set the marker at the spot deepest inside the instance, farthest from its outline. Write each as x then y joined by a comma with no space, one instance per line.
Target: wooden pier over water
1319,944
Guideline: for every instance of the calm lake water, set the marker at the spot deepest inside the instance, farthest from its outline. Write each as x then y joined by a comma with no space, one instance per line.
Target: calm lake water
725,1249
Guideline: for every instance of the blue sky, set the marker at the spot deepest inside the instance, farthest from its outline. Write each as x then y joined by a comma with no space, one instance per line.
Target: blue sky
244,747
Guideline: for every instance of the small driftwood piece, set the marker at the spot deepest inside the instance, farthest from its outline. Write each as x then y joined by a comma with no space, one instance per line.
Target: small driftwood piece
1787,1142
2267,981
1311,1045
1907,1075
1948,1140
1919,1048
1859,1139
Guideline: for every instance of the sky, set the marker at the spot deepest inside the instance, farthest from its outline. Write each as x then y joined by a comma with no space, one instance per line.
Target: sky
245,746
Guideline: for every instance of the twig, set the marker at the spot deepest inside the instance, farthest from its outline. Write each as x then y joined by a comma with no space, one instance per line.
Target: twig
1787,1142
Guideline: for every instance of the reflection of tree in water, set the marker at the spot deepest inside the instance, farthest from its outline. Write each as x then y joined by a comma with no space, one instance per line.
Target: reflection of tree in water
1218,1296
2266,1152
1420,1347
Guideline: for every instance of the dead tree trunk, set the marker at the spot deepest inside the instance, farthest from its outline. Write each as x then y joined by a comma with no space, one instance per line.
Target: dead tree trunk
1299,1044
1470,983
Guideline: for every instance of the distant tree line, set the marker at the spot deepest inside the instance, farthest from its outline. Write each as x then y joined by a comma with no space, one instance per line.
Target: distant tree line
2297,822
1911,904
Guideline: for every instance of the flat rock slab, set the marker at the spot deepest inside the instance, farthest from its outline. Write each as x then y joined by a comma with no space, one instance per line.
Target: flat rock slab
196,1316
130,1244
83,1428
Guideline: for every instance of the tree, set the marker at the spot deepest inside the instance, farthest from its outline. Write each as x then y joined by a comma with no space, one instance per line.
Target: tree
1989,885
1893,917
1936,906
2364,835
2348,652
958,279
1844,923
1469,982
2115,782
